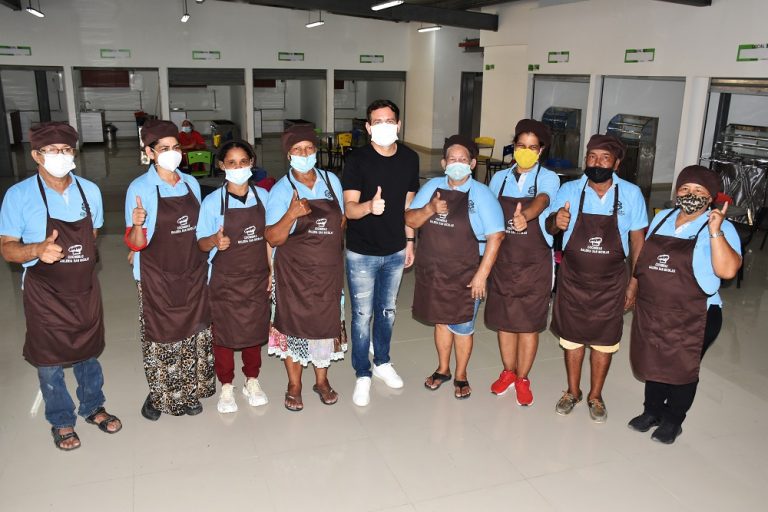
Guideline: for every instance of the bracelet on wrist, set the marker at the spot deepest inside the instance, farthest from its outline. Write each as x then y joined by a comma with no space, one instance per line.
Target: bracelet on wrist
410,239
716,235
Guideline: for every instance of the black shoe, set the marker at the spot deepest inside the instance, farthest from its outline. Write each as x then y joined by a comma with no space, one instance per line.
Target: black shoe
667,432
193,410
149,411
644,422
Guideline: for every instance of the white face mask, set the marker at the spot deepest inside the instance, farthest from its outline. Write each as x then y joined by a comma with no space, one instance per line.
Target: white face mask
458,171
303,164
384,134
169,160
238,176
59,165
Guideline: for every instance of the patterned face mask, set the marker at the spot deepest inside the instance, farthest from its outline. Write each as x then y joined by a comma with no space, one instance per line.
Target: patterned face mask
691,203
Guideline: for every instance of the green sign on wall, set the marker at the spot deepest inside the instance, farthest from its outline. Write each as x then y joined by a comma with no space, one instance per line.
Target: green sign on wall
556,57
17,51
371,59
752,52
206,55
635,55
290,56
109,53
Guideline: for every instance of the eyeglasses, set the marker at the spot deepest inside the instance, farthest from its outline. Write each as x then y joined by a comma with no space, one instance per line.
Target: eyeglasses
532,147
53,150
163,149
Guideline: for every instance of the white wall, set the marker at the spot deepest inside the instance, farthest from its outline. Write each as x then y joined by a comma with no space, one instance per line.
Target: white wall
419,88
450,62
689,41
653,98
313,102
203,104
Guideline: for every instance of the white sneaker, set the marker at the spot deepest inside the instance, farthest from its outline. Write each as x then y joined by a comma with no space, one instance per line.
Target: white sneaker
387,373
227,402
252,390
362,394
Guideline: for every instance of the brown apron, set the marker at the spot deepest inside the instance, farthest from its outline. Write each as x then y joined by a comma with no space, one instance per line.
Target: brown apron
521,280
173,273
592,281
670,313
239,278
62,301
447,262
309,272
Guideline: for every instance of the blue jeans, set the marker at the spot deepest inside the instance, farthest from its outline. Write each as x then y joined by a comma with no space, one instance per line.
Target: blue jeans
59,407
373,285
467,328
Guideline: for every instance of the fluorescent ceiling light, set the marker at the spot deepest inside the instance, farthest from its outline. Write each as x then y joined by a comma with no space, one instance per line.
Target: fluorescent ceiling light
35,12
386,5
185,16
430,28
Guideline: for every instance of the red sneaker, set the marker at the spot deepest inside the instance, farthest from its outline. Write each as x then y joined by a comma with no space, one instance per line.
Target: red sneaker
505,381
523,391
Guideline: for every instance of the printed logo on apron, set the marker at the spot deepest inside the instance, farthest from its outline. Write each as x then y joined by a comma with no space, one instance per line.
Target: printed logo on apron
250,236
662,264
594,246
75,255
441,219
320,228
182,225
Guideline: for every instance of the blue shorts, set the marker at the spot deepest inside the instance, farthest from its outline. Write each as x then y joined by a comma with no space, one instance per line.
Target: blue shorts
467,328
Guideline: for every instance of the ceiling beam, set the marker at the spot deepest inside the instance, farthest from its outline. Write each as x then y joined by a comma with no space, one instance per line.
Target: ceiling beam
695,3
14,5
404,12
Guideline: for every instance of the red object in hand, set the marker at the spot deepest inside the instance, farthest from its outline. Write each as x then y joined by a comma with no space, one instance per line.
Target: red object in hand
723,198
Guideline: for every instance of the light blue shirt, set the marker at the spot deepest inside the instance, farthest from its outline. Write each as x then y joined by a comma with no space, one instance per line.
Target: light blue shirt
702,252
282,192
633,215
547,182
145,186
485,214
23,216
211,218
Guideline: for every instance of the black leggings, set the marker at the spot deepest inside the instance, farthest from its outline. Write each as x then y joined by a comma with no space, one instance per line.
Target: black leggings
671,402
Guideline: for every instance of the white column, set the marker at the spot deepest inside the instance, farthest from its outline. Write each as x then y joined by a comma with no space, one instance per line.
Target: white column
165,96
592,115
692,121
250,133
330,112
69,97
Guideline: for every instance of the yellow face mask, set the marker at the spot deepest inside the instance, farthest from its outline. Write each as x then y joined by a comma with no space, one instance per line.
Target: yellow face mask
526,158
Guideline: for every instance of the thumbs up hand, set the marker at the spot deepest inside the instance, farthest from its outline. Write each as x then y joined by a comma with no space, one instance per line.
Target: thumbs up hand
563,217
298,207
221,240
139,214
518,219
438,206
377,203
48,251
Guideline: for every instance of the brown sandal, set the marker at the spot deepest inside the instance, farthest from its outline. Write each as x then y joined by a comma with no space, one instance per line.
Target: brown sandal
327,396
293,403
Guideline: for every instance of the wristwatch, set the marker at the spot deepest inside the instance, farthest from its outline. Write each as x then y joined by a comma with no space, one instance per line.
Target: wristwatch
716,235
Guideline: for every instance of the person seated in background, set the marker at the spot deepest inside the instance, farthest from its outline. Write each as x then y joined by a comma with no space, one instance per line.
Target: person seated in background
190,140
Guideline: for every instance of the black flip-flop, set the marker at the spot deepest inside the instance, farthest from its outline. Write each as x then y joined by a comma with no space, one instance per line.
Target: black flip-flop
104,424
59,438
438,378
461,384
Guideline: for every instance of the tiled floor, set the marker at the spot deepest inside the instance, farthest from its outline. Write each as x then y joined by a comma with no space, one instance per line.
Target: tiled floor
411,449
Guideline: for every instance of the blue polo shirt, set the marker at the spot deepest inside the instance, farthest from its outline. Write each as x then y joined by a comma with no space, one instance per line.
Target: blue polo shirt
485,214
547,182
145,186
282,192
211,218
702,252
23,216
633,215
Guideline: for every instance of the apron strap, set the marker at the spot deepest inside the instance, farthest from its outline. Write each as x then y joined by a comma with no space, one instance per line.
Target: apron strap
45,199
663,221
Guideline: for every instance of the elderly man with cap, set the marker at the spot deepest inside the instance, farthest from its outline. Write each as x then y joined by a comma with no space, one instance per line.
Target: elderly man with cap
305,223
162,207
461,227
380,181
520,284
678,315
603,218
49,223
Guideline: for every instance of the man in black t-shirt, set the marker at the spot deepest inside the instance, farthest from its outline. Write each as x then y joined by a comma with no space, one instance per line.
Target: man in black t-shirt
379,182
